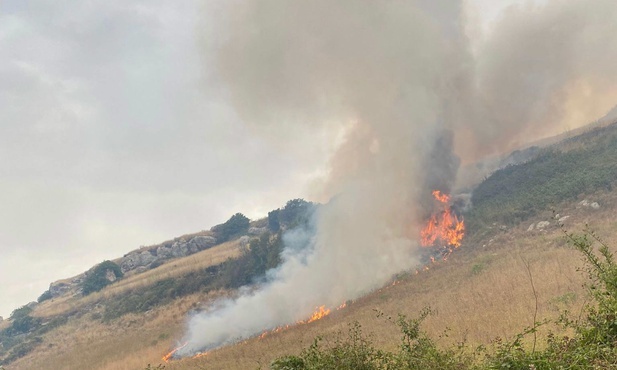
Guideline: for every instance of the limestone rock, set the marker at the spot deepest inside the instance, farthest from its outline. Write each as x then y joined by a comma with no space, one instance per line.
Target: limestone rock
136,259
200,243
542,224
595,205
561,220
110,276
256,231
58,288
530,228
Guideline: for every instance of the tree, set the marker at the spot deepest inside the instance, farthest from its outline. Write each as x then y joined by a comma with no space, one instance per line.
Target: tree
237,225
99,278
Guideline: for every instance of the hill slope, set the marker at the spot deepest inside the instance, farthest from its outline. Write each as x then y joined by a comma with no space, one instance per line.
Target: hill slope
483,291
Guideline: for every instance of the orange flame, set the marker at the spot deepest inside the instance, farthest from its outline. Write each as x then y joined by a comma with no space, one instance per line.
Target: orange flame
320,313
443,198
443,226
168,356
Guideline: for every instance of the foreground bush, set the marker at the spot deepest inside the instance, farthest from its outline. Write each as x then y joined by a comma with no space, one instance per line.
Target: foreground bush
593,345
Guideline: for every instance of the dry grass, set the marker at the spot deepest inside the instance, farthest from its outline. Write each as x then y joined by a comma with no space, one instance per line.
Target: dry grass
171,269
479,294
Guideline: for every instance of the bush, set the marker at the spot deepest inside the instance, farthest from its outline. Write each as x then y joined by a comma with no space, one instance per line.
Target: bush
45,296
97,279
236,226
593,345
518,192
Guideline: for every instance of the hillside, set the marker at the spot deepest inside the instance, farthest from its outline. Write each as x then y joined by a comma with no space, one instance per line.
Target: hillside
483,291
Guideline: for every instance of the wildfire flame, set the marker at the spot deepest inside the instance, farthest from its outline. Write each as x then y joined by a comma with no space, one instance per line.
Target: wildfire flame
443,226
168,356
320,313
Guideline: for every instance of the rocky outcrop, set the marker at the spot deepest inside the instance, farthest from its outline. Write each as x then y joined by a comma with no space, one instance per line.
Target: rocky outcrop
586,203
59,288
180,247
136,259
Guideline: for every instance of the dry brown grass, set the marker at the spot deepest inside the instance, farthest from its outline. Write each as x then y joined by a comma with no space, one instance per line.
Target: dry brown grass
479,294
171,269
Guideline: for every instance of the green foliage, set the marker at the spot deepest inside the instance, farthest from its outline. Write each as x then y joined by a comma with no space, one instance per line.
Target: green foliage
416,352
20,312
97,279
517,192
236,226
295,213
273,220
263,254
593,345
355,352
45,296
21,349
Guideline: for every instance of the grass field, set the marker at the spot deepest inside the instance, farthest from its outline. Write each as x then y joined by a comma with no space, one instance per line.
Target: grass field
483,291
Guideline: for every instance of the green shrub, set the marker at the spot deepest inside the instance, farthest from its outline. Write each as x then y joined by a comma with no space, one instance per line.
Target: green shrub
45,296
97,279
593,345
236,226
518,192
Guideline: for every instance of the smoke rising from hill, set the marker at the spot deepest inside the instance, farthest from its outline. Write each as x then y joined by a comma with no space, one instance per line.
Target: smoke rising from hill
400,80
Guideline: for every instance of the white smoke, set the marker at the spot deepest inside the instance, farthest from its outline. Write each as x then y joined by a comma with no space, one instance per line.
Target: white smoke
404,75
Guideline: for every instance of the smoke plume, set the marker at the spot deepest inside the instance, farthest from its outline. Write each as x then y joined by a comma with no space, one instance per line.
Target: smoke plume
405,86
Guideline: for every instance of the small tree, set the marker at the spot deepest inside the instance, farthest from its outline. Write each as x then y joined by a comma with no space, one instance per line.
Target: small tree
237,225
98,278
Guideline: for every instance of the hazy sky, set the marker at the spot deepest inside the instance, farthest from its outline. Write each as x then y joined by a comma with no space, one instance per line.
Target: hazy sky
112,137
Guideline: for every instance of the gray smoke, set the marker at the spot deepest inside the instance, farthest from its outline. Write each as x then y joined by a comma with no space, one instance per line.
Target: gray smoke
400,80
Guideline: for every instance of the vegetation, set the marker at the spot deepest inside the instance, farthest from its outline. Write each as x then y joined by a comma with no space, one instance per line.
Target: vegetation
558,174
262,254
296,212
45,296
237,225
99,277
23,335
593,345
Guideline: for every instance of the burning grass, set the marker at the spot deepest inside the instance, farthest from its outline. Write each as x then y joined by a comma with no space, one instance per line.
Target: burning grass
489,286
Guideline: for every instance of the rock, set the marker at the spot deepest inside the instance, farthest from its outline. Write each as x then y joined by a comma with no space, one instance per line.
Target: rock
59,288
561,220
530,228
255,231
136,259
244,241
586,203
542,224
110,276
200,243
32,304
556,216
503,228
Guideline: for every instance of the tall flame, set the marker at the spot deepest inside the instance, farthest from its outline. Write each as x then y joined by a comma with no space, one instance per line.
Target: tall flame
443,226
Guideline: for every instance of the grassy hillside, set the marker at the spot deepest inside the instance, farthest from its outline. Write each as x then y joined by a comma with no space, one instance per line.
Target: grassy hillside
560,173
484,291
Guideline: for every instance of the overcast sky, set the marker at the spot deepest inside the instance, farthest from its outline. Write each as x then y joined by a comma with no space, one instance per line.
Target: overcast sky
112,136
